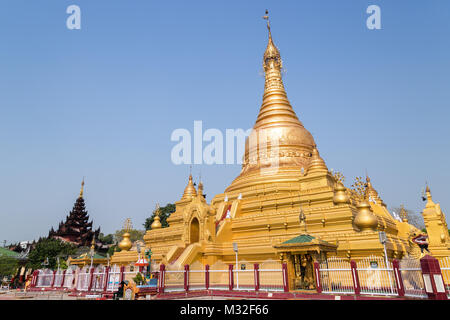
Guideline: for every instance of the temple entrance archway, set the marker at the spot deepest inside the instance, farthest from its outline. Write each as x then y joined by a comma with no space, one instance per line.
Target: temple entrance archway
194,234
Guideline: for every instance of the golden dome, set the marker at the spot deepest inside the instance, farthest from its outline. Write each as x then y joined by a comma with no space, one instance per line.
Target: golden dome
278,139
189,191
317,164
156,223
340,196
125,244
365,219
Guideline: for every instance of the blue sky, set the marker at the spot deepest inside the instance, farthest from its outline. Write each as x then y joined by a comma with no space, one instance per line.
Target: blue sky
102,102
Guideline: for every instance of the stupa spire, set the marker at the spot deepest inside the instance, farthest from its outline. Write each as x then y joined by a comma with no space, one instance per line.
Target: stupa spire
82,188
189,191
278,141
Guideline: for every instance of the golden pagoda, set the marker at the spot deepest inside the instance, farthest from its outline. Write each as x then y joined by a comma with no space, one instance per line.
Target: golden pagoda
282,175
437,228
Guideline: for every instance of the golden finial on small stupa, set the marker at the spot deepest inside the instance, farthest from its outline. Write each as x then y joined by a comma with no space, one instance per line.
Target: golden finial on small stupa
403,213
93,243
317,164
126,244
430,202
82,187
157,220
189,191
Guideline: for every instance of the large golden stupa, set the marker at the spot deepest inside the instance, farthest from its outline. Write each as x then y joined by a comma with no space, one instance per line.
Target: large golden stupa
283,176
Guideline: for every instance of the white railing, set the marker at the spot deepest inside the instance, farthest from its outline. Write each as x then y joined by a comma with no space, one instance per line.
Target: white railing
243,280
375,278
174,280
336,276
219,279
412,278
45,278
58,278
83,279
68,279
271,276
113,279
99,278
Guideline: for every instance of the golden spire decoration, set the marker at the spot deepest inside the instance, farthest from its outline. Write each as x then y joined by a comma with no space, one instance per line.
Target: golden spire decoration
403,214
430,202
371,194
82,187
126,244
189,191
157,220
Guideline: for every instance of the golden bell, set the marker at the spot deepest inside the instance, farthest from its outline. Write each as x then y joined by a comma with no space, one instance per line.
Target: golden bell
340,196
365,219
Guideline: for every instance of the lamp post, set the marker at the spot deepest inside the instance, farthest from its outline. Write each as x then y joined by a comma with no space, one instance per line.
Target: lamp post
235,248
383,239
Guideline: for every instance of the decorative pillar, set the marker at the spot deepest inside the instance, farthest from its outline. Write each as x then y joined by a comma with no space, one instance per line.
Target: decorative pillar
186,277
35,278
285,277
63,278
317,275
53,279
432,278
230,277
355,277
256,273
91,279
162,274
105,285
398,278
122,274
207,277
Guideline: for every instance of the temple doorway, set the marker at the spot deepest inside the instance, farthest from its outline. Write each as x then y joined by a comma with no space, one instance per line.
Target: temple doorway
304,274
194,231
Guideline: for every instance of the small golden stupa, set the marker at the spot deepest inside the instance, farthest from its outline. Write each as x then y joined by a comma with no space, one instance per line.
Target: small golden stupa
156,222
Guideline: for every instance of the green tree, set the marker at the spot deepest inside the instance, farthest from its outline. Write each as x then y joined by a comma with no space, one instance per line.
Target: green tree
112,249
51,249
108,239
8,266
165,213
